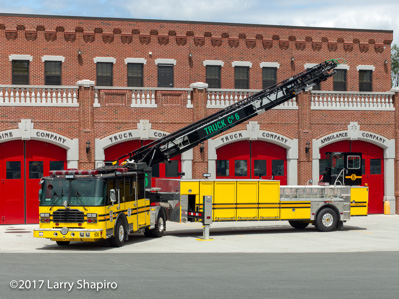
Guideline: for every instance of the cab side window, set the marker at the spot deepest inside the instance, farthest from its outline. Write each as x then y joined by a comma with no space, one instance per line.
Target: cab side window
120,186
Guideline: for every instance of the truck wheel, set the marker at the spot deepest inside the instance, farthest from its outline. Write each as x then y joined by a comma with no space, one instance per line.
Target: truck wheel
120,235
160,227
63,243
298,224
147,233
326,220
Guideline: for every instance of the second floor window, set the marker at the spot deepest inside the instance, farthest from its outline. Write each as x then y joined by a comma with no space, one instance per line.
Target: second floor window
104,74
213,76
365,80
269,77
340,80
20,72
135,74
165,75
241,77
52,73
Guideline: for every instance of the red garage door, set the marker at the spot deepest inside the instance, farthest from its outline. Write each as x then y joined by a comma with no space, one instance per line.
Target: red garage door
372,169
22,165
252,160
163,170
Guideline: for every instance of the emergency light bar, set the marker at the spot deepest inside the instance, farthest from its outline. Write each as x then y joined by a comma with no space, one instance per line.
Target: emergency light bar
73,172
86,172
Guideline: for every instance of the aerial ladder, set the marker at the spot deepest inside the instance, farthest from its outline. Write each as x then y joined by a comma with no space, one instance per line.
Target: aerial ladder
190,136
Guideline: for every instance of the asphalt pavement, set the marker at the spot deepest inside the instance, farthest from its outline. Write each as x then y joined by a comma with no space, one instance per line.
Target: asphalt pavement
242,260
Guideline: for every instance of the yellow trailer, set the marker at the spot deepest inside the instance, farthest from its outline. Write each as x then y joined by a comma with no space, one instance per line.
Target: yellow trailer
327,207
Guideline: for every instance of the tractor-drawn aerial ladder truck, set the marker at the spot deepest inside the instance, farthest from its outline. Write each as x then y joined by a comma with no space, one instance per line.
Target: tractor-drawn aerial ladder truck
112,201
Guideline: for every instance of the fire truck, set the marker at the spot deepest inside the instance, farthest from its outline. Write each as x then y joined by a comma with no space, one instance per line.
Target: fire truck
113,201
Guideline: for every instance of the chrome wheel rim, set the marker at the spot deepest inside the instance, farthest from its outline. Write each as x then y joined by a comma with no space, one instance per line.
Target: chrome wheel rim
121,233
161,224
327,219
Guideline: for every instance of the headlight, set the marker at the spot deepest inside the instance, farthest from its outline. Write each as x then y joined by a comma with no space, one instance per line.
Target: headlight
45,217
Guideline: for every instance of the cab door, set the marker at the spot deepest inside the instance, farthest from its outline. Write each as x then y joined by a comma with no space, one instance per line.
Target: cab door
353,169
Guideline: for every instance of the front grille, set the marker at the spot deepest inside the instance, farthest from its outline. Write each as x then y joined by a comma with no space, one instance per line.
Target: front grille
68,216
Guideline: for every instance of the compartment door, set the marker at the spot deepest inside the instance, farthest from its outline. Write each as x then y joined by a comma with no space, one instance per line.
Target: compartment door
269,200
224,202
247,200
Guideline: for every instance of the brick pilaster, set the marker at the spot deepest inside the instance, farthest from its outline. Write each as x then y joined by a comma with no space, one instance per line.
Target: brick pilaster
199,98
86,124
305,138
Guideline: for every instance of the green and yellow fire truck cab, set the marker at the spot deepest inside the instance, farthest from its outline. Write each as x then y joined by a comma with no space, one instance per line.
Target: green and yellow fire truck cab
93,205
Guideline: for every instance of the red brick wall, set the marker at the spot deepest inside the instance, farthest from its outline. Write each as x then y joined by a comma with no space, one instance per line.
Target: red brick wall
38,36
123,38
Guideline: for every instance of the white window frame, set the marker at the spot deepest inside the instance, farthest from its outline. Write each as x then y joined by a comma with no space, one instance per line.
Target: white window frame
365,68
269,64
135,60
53,58
165,61
213,62
104,59
242,63
20,57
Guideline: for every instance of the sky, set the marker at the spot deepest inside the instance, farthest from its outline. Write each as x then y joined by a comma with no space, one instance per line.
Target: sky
358,14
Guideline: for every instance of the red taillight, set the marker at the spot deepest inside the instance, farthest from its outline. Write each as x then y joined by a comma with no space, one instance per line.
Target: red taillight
89,220
57,224
155,204
194,214
80,224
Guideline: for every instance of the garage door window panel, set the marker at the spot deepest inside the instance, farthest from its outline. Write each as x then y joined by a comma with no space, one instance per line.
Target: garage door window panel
13,170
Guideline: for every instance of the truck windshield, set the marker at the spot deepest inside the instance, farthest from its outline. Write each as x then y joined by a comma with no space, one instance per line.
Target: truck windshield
82,192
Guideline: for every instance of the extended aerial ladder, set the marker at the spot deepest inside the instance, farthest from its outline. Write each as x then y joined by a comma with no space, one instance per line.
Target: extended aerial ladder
190,136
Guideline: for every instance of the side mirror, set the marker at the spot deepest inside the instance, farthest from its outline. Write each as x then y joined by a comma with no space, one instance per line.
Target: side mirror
112,195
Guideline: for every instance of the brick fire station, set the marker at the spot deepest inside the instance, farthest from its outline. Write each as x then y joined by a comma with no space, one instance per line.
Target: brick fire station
77,92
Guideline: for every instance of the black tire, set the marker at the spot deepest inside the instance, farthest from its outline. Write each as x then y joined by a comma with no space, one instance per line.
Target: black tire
298,224
63,243
120,234
326,220
147,233
160,226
